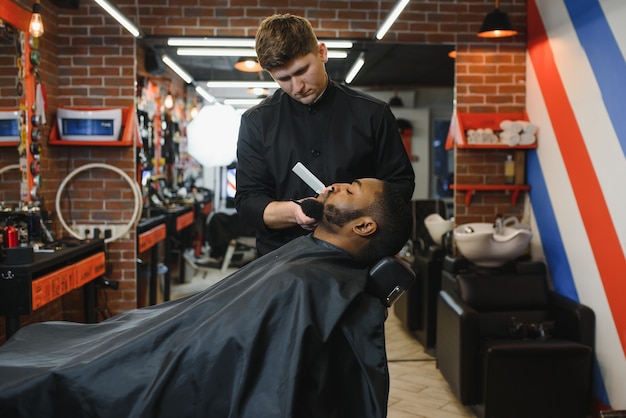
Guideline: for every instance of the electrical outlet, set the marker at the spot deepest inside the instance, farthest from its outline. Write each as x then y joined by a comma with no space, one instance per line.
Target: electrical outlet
104,231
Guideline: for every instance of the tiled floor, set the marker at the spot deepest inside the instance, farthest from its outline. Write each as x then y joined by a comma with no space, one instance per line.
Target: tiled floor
417,389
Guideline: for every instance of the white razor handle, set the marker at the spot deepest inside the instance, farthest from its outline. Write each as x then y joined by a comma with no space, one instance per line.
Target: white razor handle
308,177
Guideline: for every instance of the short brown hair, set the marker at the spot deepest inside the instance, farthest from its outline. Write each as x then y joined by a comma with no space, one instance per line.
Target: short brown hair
282,37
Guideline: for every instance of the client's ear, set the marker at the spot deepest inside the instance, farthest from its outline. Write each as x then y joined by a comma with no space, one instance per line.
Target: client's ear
365,226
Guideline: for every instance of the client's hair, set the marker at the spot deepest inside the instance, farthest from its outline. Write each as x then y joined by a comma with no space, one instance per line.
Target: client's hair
393,214
282,37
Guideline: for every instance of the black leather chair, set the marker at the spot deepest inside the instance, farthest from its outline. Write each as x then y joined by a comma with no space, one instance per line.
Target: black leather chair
417,308
511,348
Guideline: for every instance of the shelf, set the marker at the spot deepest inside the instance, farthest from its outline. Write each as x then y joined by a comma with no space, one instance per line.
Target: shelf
473,188
129,129
461,122
9,143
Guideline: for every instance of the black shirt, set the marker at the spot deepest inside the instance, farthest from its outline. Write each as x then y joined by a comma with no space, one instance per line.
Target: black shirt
343,136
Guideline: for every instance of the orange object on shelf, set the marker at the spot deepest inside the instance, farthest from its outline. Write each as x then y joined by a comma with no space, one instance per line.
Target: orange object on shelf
461,122
129,131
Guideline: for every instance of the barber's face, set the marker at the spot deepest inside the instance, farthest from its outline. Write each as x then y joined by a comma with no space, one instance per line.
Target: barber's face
303,78
345,202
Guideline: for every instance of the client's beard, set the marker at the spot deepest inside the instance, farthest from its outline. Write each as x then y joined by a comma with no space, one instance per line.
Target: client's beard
318,210
313,209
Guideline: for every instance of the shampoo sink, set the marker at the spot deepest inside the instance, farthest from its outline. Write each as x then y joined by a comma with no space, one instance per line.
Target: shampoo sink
480,244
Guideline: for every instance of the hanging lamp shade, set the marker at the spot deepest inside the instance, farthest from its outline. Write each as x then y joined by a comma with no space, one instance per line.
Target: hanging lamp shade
248,65
496,25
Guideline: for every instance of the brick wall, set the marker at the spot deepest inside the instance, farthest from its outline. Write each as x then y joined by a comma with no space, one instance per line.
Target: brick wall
94,63
490,77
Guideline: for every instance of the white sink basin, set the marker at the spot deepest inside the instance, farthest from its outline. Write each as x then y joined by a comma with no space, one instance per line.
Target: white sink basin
479,243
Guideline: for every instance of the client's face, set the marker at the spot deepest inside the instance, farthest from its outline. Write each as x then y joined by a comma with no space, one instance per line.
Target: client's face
345,202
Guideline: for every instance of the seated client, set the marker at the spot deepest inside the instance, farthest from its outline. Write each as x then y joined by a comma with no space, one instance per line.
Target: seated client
291,334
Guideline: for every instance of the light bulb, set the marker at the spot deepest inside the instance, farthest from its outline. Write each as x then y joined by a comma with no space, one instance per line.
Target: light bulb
36,22
169,101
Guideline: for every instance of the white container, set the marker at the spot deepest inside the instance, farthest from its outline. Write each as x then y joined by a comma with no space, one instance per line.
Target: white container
89,125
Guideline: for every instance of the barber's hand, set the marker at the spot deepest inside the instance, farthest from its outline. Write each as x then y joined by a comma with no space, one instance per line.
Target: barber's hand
303,220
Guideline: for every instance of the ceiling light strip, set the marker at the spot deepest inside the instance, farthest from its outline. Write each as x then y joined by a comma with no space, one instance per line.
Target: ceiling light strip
242,102
237,52
121,19
399,7
242,43
356,67
178,70
242,84
205,94
216,52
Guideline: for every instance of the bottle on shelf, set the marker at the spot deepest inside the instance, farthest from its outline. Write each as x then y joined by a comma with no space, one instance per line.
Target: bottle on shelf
509,170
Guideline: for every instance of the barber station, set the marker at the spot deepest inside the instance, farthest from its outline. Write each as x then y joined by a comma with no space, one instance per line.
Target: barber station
359,209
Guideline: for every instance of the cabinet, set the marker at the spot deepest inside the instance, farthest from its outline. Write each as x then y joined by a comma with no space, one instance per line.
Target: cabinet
49,275
461,123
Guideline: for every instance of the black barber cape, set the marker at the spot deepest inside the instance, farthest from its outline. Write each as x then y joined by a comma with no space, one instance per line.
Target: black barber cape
289,335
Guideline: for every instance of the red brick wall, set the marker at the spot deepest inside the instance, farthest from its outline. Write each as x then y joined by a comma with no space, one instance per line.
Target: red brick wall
93,63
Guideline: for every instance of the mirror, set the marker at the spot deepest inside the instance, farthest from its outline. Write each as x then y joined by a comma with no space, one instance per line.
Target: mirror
9,105
422,75
18,60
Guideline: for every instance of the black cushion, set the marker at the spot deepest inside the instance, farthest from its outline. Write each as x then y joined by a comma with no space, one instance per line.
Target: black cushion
492,293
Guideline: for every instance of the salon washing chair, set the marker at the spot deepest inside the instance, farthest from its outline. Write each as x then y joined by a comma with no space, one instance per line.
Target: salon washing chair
417,308
511,348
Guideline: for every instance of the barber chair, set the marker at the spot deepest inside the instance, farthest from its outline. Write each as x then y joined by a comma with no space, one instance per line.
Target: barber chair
511,348
417,308
389,279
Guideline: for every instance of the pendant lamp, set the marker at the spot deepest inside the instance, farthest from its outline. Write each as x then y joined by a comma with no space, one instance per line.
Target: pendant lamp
248,65
496,25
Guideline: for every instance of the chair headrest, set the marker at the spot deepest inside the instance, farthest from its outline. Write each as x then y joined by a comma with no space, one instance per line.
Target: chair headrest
504,292
389,279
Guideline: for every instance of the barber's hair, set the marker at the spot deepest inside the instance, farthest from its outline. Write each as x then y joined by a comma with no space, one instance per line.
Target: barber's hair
393,214
282,37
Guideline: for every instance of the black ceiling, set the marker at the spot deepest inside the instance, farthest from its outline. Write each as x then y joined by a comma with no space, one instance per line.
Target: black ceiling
386,65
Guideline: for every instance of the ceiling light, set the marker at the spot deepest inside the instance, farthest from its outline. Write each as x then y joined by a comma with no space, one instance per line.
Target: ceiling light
391,18
337,54
258,91
217,52
496,25
242,43
236,52
121,19
242,102
242,84
36,22
356,67
206,95
178,70
248,65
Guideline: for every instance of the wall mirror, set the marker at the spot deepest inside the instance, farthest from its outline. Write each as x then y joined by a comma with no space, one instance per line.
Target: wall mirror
422,75
17,94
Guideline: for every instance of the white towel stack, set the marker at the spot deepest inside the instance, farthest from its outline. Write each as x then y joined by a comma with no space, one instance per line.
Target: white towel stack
481,136
519,132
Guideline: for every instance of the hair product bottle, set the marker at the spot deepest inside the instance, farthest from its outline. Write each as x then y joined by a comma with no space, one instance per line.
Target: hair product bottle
509,170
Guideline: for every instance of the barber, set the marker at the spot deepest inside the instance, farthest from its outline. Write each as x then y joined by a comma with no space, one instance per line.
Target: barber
338,133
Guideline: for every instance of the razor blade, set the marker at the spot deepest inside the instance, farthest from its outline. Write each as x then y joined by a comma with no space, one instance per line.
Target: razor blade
308,177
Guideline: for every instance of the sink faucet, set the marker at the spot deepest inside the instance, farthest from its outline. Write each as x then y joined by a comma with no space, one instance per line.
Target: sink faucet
498,225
